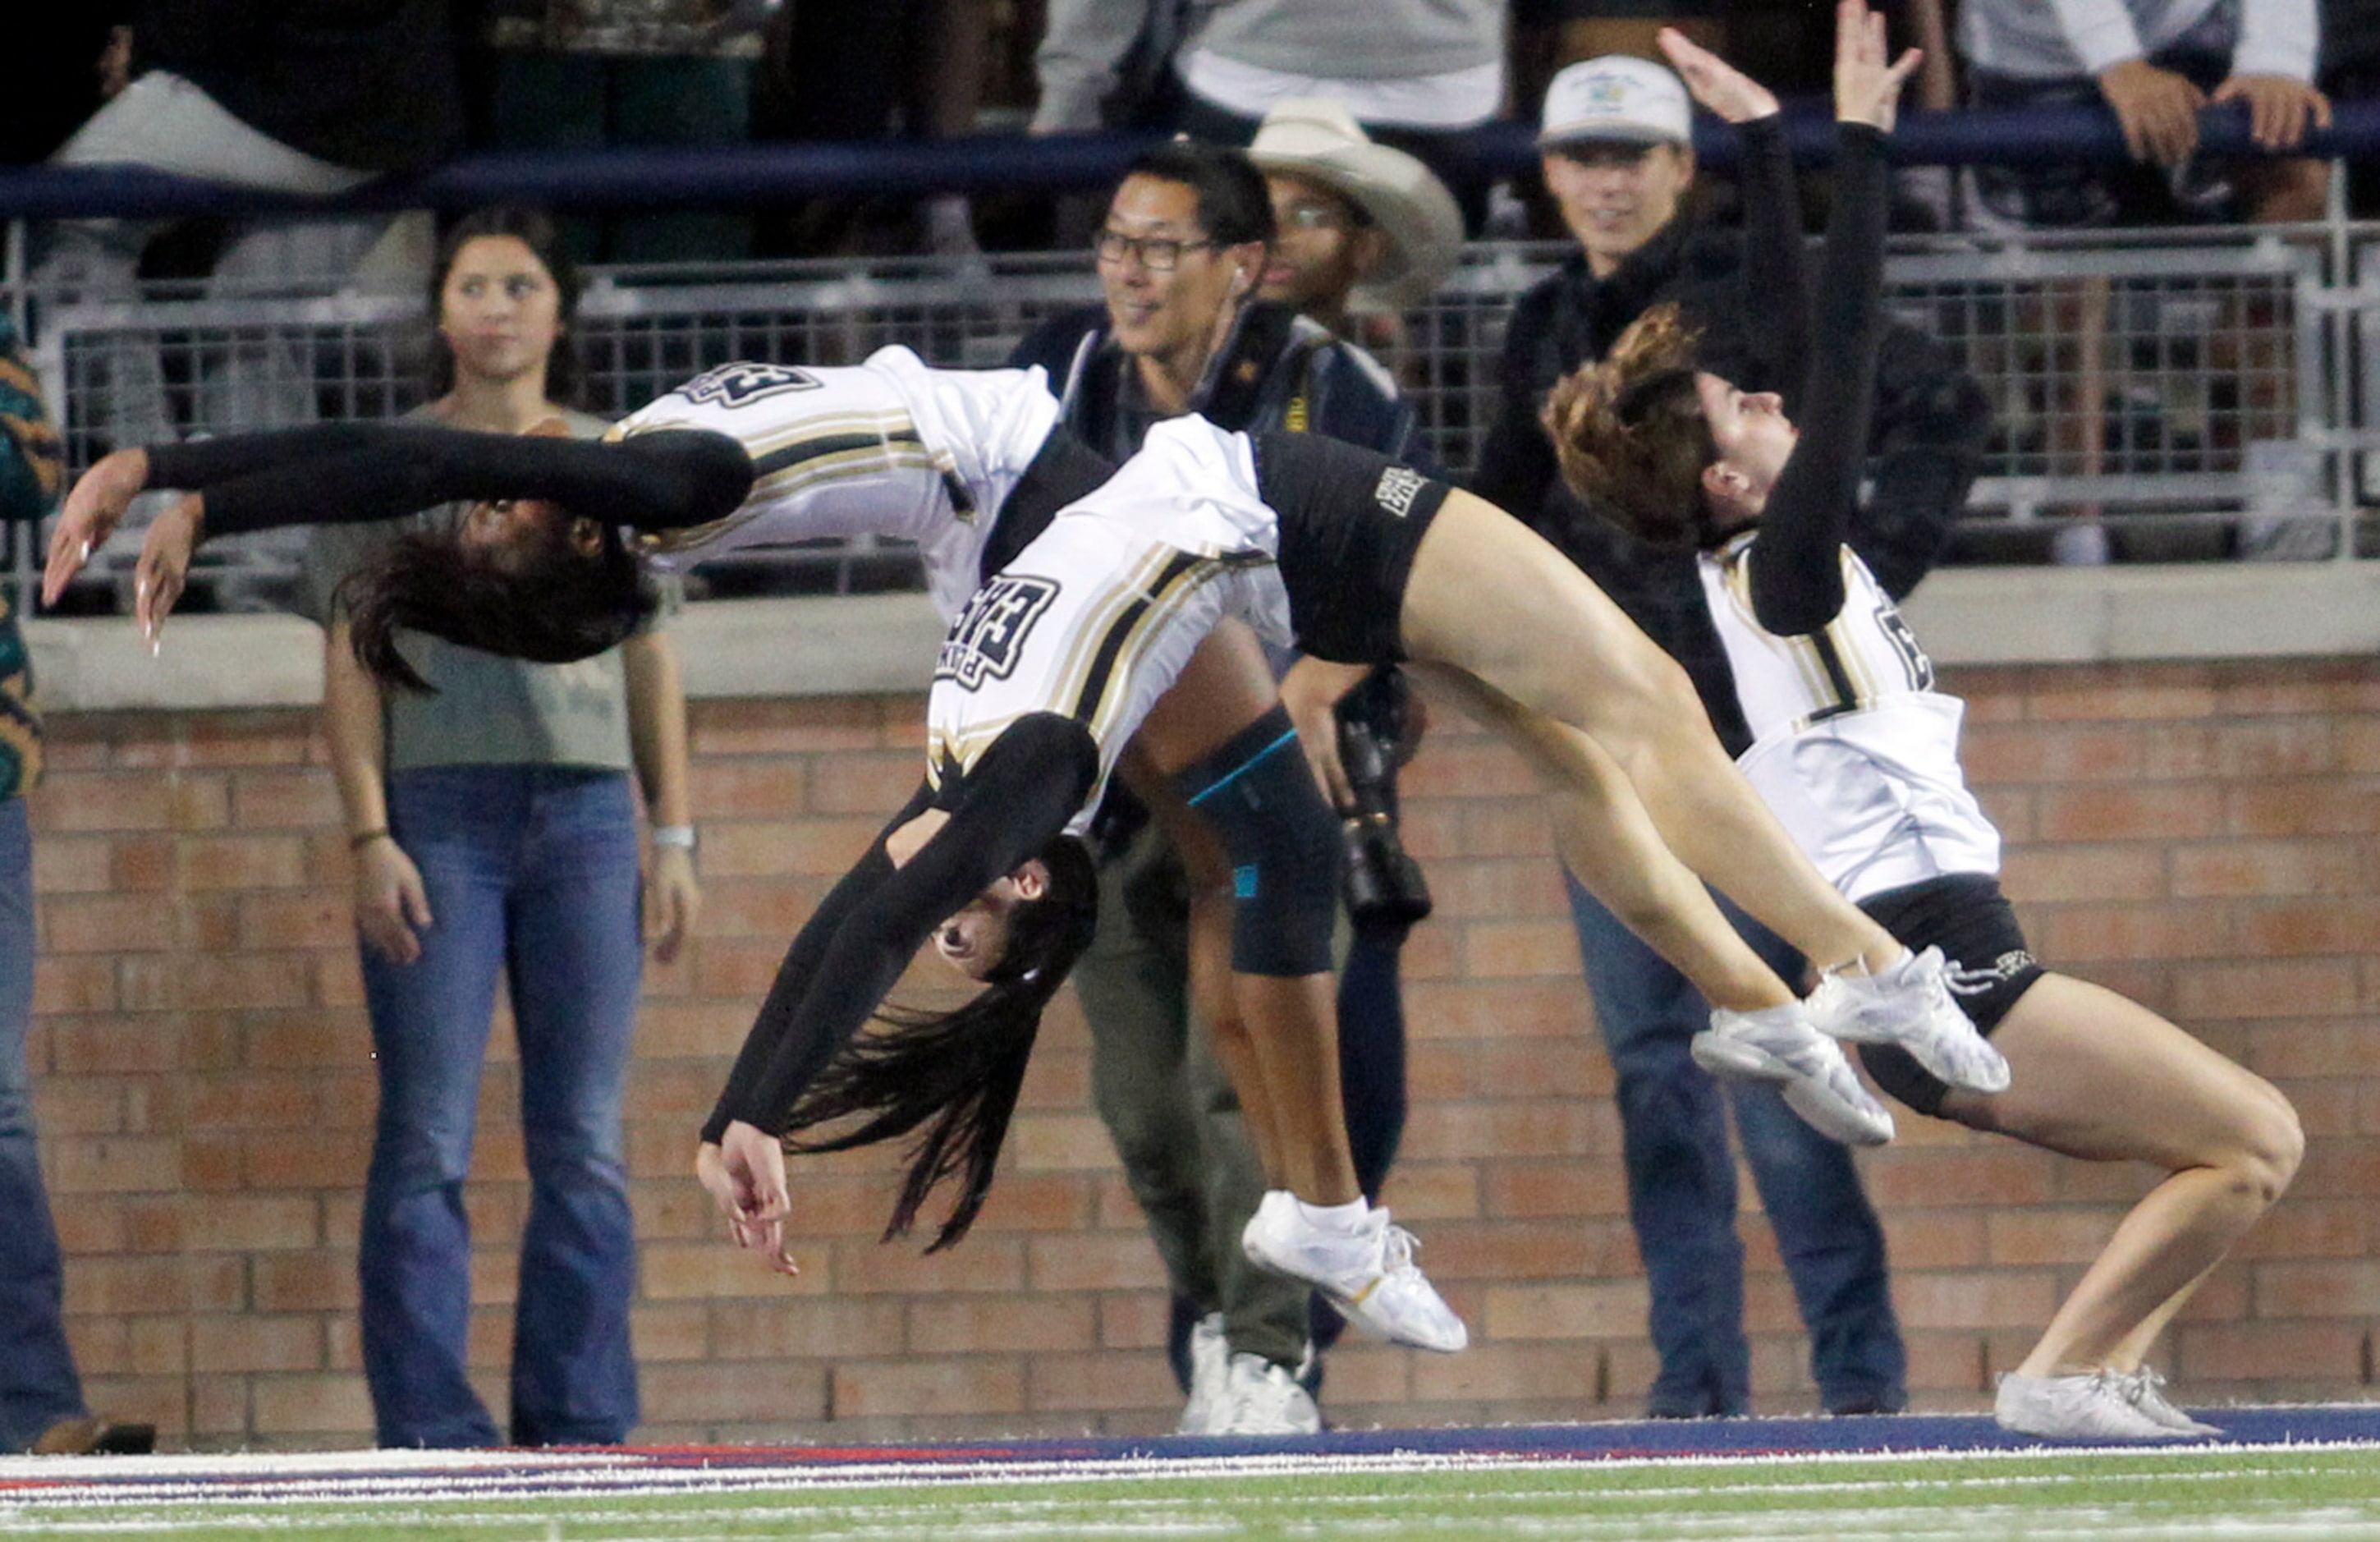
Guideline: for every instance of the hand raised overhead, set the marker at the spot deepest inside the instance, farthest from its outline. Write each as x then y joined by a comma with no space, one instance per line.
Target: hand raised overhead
1867,78
1715,83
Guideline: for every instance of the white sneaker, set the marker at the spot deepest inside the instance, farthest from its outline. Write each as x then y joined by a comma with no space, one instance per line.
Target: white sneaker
1910,1005
1211,1370
2146,1389
2097,1405
1265,1399
1367,1272
1776,1044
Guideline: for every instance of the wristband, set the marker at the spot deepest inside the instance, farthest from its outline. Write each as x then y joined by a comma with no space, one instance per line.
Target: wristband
681,836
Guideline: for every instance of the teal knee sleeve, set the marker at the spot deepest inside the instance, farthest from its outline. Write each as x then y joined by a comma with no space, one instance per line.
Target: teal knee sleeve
1260,796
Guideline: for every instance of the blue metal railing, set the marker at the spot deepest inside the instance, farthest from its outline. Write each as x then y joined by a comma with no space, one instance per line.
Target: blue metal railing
735,174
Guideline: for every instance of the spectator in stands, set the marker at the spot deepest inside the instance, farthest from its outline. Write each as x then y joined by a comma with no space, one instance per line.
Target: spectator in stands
584,74
1418,76
1355,224
305,97
861,70
60,75
1552,35
1617,153
1186,243
42,1408
494,832
2154,63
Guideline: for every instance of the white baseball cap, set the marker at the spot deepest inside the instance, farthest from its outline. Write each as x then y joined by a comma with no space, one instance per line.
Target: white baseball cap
1617,97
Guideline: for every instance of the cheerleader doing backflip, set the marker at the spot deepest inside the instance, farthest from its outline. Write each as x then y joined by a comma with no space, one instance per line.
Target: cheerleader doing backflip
1857,753
968,465
1378,563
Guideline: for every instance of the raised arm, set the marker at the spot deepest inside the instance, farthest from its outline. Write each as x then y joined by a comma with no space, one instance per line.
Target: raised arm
1775,277
1796,576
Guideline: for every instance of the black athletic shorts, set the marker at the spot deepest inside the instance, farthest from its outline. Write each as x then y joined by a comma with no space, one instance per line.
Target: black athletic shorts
1967,917
1351,520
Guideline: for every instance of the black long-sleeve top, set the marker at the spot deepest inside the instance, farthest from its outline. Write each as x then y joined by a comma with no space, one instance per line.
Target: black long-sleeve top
341,473
1019,794
1796,562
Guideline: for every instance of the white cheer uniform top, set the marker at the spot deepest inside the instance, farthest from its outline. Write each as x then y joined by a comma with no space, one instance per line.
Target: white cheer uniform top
1853,750
1095,619
889,447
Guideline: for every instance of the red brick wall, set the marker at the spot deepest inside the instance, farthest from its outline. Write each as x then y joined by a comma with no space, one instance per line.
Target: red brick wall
2201,837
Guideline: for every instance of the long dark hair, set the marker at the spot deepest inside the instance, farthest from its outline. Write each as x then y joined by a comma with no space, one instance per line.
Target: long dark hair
556,605
957,1072
536,231
1630,432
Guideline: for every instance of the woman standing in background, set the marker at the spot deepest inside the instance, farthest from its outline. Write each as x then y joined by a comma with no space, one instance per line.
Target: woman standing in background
495,833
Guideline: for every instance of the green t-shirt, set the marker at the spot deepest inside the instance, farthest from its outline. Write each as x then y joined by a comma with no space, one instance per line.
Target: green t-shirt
20,731
488,711
32,467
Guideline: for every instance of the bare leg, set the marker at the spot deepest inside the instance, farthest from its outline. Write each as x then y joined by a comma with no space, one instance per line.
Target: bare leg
2105,1079
1277,1037
1606,837
1556,645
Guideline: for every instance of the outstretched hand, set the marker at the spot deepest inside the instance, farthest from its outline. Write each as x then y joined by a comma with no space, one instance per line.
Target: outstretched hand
1867,78
165,565
1715,83
744,1173
93,508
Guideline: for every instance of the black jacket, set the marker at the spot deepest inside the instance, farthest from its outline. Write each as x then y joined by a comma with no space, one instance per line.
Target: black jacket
1276,371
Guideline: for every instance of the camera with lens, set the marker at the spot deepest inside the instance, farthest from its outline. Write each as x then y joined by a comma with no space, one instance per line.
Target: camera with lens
1384,887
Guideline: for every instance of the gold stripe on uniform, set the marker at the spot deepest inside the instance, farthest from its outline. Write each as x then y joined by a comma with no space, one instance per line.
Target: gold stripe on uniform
1834,673
1140,609
896,448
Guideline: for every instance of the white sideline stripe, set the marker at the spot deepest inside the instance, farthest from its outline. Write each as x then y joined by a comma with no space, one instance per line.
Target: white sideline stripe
331,1477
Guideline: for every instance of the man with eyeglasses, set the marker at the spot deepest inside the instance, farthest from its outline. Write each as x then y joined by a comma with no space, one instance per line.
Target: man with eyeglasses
1181,254
1189,238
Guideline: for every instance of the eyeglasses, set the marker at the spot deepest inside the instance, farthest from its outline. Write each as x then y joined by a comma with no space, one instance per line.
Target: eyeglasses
1159,254
1304,216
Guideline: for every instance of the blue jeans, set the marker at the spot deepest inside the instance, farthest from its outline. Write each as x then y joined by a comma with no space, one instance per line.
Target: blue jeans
37,1385
531,873
1681,1192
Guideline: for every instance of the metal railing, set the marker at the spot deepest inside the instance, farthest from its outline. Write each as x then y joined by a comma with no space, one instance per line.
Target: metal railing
2187,394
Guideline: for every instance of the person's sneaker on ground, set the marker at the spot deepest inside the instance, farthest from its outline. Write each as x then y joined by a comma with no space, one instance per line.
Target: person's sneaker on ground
1778,1044
1211,1366
1909,1004
2095,1405
2146,1389
93,1436
1265,1399
1366,1269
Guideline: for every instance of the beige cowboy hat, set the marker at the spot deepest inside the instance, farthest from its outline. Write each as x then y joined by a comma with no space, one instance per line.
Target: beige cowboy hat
1317,139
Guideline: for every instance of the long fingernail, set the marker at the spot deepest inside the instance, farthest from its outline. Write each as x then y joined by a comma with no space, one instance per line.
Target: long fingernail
86,550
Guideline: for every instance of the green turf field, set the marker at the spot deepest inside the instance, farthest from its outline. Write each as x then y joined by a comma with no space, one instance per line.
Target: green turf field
2317,1494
